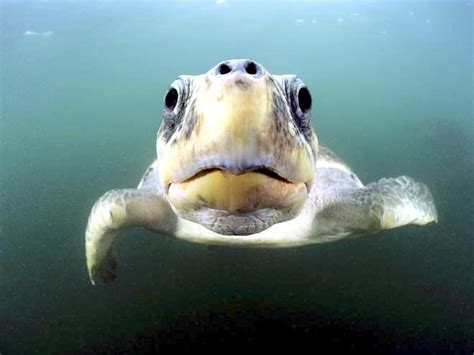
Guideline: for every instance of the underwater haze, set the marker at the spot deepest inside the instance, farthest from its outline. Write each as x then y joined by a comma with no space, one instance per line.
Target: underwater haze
82,87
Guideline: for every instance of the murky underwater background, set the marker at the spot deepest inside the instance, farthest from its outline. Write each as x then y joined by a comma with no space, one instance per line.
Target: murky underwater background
82,85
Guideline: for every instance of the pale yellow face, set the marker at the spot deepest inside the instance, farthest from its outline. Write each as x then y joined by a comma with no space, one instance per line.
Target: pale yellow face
230,145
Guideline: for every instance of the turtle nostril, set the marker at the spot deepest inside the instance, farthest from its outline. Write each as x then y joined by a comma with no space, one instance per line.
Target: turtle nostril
223,69
251,68
239,67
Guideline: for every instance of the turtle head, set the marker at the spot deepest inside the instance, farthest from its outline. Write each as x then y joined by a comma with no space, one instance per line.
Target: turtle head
236,149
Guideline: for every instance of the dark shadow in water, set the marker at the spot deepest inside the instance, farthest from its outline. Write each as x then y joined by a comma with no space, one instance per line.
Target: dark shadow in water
238,327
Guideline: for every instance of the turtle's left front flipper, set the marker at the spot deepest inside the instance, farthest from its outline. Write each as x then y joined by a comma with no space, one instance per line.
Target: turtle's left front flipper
113,212
400,201
386,204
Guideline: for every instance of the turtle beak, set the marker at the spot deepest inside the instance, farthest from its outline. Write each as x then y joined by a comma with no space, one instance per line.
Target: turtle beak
238,121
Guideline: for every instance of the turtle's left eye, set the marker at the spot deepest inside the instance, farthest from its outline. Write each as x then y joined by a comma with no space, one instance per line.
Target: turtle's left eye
300,102
304,99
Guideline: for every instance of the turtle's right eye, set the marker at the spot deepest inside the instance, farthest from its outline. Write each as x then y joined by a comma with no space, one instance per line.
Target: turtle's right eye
171,99
174,107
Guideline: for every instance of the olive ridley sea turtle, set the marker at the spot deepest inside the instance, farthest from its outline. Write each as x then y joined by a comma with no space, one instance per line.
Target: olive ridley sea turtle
238,163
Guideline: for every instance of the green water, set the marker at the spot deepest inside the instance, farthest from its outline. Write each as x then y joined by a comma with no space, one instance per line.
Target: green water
392,89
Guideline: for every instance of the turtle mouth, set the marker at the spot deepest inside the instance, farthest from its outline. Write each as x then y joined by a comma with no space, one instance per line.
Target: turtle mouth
268,172
236,192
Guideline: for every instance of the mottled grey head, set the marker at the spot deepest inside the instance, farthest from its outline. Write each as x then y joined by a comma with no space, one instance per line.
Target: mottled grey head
236,148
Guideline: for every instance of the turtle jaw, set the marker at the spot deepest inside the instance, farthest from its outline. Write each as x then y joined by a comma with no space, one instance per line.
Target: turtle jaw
243,193
241,204
229,197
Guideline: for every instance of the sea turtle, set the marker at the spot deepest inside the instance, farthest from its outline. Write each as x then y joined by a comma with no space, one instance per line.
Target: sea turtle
238,163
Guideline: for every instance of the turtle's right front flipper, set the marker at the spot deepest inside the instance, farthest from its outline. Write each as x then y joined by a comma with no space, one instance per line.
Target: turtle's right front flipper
113,212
